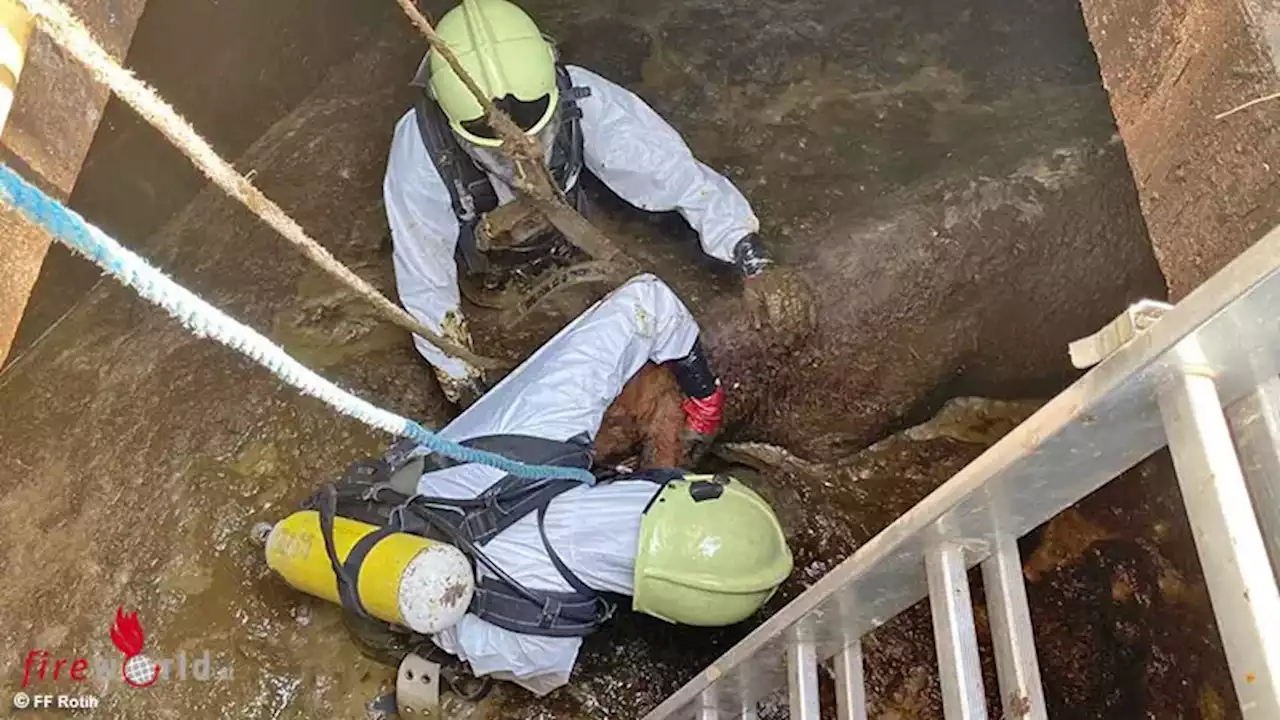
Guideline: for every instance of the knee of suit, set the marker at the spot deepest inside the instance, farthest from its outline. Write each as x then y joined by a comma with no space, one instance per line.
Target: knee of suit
647,288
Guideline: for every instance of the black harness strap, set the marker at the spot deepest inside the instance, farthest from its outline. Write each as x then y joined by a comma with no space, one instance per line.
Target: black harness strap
567,152
504,508
574,581
348,573
351,566
470,192
559,614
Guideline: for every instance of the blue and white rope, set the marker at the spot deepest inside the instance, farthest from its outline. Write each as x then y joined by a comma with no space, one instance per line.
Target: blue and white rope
204,320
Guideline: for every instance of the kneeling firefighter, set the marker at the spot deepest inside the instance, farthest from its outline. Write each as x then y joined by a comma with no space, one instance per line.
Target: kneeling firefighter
447,179
509,574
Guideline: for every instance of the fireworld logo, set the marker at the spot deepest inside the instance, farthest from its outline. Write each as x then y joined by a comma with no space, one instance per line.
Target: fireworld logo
137,669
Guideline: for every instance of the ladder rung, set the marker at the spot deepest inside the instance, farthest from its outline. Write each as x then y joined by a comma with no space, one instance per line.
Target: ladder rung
851,693
958,666
1232,554
1021,695
1256,422
747,708
710,704
802,672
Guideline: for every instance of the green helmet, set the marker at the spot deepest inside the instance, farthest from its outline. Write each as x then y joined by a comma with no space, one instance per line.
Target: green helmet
711,553
500,47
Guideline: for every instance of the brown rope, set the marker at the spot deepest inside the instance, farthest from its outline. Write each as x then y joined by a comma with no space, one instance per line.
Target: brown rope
533,178
67,31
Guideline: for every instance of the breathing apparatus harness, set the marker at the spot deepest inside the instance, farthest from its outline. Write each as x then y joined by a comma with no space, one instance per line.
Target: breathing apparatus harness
382,492
471,192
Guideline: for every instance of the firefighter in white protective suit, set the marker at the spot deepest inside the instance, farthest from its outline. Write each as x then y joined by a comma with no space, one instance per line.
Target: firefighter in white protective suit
446,171
523,569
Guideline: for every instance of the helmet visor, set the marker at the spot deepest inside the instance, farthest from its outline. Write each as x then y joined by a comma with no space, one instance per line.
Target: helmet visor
529,116
493,160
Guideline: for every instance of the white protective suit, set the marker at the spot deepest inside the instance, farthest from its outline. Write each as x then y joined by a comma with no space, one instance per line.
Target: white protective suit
559,392
625,144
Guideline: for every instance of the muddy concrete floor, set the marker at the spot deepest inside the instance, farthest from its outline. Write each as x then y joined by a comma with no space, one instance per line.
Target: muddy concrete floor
946,173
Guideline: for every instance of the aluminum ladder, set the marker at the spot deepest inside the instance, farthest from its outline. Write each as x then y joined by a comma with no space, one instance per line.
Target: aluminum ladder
1201,380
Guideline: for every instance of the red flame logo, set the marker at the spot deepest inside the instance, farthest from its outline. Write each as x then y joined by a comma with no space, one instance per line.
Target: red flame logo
128,637
127,633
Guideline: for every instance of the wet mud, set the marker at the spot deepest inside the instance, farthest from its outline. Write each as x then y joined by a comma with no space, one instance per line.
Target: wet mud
1121,618
945,175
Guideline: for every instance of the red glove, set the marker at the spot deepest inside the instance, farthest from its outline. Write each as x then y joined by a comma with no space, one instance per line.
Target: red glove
703,415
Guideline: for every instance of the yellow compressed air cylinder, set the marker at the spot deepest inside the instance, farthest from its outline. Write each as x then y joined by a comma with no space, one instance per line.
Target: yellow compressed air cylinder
405,579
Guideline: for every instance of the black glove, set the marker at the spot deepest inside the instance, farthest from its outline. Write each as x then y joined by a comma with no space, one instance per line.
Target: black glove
750,257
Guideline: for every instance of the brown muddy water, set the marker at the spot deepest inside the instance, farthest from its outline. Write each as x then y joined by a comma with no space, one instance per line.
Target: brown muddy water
945,172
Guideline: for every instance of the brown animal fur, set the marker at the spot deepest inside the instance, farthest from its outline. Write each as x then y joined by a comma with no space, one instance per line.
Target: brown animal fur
645,420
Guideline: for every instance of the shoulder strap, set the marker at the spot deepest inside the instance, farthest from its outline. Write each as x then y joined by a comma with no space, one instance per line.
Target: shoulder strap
469,188
471,193
569,576
566,155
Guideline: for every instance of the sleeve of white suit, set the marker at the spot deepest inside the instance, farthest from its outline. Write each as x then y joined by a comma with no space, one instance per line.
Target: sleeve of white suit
424,233
646,162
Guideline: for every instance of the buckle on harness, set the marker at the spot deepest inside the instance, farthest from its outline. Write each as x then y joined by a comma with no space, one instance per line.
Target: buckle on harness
396,518
550,612
468,202
372,492
569,109
478,526
368,467
607,609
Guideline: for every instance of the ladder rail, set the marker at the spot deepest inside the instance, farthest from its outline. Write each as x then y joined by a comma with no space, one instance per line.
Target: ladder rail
802,668
1089,434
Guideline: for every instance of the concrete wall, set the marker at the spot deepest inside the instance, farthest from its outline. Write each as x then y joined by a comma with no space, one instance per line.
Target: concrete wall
53,118
1208,186
233,68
